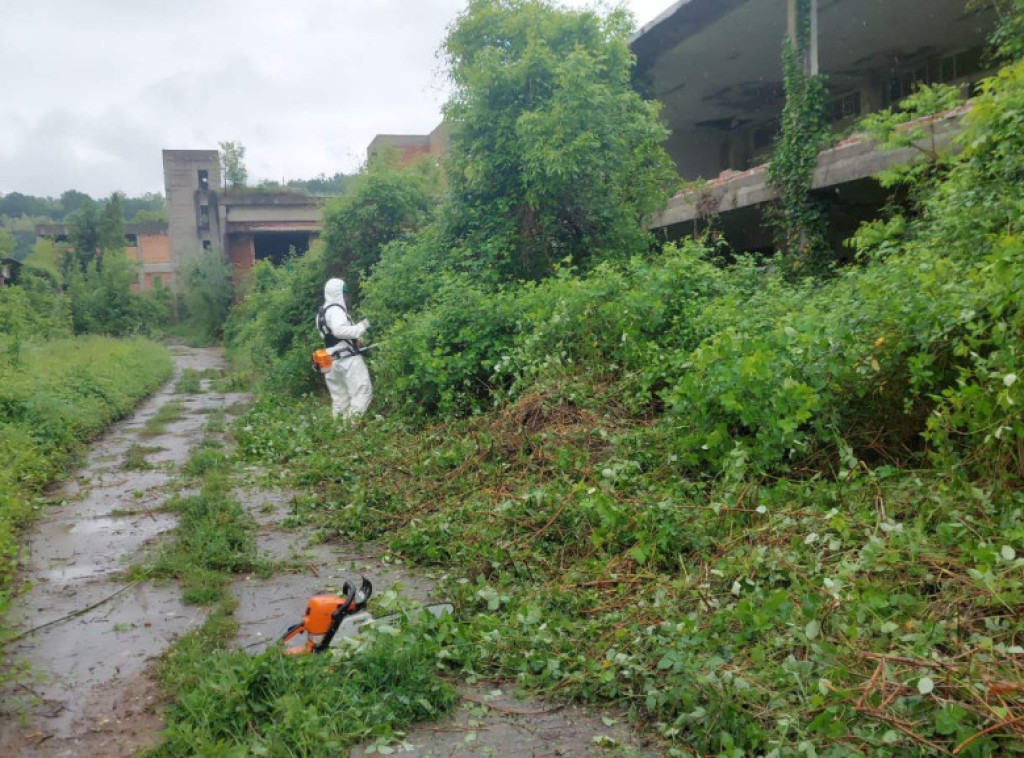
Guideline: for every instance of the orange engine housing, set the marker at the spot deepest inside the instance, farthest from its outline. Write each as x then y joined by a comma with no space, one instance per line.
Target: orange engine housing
317,619
322,360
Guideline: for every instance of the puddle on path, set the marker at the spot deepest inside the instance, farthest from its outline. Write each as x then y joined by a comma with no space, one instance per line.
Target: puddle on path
86,694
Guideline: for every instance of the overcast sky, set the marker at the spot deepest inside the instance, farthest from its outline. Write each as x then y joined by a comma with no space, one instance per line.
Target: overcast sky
95,89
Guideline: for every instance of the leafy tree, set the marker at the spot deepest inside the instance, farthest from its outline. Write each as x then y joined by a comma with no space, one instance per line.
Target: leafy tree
145,216
208,294
1008,39
147,207
110,226
46,256
83,236
232,163
383,205
322,184
16,204
72,201
7,243
554,155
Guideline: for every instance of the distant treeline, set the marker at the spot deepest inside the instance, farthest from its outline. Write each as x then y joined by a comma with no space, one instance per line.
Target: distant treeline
19,213
149,207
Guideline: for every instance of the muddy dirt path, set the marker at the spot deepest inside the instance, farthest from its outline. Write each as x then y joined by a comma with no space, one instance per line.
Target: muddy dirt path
85,693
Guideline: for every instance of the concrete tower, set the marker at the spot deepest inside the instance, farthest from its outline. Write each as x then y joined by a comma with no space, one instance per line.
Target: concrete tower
191,184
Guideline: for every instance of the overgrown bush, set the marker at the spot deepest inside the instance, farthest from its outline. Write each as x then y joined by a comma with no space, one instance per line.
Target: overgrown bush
382,204
209,293
272,333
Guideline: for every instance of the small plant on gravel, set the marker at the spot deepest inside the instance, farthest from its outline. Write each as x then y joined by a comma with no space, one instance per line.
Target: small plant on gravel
190,382
213,540
135,457
173,410
207,458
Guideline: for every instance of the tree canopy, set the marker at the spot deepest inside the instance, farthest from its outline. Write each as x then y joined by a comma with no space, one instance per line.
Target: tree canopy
554,154
232,163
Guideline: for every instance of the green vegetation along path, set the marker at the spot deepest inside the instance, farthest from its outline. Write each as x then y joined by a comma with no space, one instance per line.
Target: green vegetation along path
85,691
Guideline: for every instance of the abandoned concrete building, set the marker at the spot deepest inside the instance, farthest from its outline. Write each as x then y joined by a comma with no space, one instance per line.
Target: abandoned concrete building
246,225
409,147
716,67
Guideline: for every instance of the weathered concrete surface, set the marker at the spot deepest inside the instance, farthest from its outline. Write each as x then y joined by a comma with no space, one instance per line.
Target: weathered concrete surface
86,693
492,722
853,159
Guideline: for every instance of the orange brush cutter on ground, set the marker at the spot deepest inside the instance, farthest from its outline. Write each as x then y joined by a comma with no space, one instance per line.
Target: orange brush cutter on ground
323,616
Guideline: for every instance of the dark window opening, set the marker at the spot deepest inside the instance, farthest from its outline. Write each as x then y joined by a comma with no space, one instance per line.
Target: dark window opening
277,246
204,179
207,244
765,134
131,240
204,217
844,106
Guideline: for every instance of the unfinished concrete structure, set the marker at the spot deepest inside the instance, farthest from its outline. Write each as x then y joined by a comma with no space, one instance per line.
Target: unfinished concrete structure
716,67
409,147
245,224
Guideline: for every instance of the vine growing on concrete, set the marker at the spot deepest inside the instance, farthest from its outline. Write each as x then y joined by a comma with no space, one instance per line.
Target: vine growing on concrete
799,219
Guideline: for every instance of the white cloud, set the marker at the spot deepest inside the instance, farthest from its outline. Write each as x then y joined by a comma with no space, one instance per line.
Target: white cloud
94,90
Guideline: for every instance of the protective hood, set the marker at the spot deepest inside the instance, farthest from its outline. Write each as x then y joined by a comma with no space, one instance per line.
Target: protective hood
334,292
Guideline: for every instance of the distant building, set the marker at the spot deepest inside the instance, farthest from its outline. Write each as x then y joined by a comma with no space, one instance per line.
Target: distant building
716,67
409,147
147,243
245,224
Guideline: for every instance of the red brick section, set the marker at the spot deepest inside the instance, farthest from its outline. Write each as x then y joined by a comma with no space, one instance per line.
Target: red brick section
242,254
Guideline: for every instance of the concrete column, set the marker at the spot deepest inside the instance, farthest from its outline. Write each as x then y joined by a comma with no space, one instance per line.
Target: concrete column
811,66
814,38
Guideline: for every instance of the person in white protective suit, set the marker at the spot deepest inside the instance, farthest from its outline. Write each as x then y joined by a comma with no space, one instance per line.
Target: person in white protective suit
348,380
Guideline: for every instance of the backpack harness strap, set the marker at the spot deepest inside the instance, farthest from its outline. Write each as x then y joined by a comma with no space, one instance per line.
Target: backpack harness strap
338,348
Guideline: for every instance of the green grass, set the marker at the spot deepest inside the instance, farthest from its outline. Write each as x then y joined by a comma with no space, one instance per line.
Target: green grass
744,609
168,413
206,459
214,539
189,383
55,397
215,422
314,706
135,457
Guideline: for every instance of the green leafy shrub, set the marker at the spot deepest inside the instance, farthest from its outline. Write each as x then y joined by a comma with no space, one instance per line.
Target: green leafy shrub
209,293
382,204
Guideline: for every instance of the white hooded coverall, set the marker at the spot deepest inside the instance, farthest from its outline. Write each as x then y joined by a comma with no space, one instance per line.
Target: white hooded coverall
348,380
